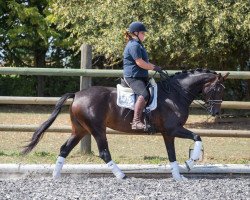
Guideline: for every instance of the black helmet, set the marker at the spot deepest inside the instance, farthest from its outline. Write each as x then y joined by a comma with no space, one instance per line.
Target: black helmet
137,27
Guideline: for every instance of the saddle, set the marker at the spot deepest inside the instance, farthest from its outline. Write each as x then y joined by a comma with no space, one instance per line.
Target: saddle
126,98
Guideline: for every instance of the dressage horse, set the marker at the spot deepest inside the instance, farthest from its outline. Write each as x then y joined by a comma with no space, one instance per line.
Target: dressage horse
95,109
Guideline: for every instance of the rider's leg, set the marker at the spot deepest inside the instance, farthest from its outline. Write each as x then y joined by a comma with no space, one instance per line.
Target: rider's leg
139,107
139,86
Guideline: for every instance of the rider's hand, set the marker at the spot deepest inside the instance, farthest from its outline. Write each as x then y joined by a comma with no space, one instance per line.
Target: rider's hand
157,68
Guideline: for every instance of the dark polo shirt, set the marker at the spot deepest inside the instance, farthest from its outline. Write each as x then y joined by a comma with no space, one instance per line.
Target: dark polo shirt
134,50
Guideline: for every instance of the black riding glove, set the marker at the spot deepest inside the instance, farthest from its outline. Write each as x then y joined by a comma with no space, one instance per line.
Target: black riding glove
157,69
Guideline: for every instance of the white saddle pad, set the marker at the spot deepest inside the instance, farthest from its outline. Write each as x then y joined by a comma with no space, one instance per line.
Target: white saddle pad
126,96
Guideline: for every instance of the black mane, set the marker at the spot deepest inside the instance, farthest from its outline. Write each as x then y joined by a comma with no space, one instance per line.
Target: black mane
192,71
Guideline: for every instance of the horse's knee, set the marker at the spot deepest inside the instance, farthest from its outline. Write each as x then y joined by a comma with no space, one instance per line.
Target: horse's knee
197,138
105,155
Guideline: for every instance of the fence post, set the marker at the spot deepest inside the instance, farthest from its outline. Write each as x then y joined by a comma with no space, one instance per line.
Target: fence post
85,82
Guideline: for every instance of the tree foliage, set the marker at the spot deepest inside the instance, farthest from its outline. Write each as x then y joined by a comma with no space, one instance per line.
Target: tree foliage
28,37
23,30
27,29
182,33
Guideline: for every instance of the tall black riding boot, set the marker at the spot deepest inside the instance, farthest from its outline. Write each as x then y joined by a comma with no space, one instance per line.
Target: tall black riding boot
139,106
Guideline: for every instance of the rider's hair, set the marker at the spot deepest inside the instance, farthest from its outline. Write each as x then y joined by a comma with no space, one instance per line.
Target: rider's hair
128,36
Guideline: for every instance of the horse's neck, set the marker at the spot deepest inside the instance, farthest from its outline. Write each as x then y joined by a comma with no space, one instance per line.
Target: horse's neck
192,84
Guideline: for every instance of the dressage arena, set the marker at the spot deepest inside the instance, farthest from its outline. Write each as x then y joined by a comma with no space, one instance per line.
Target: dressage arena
143,182
150,182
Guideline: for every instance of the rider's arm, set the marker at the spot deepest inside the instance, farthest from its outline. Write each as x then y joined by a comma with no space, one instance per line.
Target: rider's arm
141,63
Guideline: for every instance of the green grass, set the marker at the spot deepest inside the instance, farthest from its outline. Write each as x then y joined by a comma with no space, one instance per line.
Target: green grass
126,150
154,159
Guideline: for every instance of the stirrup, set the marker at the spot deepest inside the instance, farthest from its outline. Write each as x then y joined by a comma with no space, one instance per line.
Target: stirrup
137,125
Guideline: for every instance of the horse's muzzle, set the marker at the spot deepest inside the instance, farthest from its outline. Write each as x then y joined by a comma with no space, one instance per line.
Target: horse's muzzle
215,113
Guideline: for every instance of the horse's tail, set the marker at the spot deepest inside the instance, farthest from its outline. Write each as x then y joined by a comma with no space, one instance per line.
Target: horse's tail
38,134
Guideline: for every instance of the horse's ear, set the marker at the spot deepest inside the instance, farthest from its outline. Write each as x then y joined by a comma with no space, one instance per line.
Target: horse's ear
220,78
225,76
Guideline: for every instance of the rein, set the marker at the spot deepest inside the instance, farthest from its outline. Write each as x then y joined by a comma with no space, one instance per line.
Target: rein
195,101
165,78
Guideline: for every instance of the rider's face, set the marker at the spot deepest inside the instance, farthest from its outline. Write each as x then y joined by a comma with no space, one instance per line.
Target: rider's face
141,36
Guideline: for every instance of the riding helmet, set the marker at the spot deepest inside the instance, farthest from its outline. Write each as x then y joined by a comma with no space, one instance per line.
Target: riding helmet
137,27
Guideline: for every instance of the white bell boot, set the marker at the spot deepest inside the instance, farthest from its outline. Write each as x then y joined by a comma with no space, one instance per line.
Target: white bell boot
176,172
195,155
58,167
116,170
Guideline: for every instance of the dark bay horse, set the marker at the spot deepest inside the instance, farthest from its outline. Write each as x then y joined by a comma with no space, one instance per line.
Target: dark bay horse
94,109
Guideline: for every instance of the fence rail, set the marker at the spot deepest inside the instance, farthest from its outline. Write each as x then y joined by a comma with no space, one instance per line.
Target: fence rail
67,129
94,72
53,100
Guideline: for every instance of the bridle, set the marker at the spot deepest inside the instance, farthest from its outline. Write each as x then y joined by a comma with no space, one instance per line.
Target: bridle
211,102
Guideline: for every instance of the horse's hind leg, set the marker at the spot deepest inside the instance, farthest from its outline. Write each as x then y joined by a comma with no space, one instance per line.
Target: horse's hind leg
100,136
78,132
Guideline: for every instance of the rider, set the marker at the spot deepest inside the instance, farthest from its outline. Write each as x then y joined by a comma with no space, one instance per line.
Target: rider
135,69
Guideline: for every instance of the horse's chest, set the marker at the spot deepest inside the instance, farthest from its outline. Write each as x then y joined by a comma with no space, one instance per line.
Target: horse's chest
177,109
177,112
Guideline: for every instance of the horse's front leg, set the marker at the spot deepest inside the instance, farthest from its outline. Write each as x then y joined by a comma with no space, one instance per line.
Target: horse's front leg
184,133
169,143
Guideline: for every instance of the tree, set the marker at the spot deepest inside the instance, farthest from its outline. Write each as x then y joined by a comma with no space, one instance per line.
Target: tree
182,34
29,37
214,34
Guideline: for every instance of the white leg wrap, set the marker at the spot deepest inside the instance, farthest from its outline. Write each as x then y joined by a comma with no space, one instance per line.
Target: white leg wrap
176,172
197,150
195,155
58,167
115,169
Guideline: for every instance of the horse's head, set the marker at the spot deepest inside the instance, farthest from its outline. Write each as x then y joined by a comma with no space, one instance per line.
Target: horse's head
213,93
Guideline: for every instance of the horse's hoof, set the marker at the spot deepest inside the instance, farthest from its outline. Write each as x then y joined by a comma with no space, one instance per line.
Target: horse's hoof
56,175
189,164
122,178
188,168
184,178
125,177
180,178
